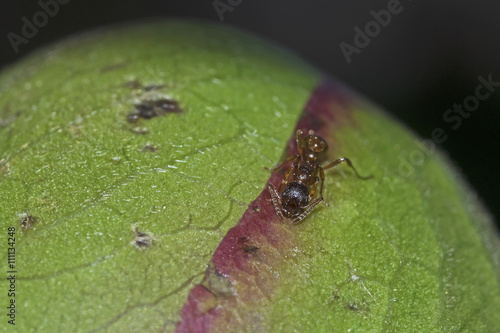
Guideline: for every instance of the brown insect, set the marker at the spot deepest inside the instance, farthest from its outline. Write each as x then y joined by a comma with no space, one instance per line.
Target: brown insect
293,198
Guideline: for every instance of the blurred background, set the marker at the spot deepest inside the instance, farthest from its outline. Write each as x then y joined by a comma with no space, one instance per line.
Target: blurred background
427,58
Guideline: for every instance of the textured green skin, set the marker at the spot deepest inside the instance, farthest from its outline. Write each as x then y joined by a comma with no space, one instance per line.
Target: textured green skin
411,253
68,157
70,150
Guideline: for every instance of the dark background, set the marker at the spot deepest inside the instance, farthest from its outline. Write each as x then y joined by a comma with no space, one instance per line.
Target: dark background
428,58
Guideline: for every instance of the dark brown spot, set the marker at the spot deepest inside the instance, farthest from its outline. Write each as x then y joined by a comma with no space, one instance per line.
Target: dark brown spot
250,249
335,295
142,240
352,306
358,306
145,110
27,221
246,245
150,148
153,108
113,67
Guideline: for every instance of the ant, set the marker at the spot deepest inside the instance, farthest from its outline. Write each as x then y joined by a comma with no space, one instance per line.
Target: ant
301,181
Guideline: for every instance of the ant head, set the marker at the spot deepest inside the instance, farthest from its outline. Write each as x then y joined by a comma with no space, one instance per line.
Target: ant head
315,144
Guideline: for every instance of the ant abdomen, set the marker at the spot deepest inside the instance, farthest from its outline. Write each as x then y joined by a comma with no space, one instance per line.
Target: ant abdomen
295,196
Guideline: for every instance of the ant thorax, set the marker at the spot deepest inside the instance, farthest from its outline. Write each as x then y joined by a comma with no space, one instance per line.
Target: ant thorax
304,173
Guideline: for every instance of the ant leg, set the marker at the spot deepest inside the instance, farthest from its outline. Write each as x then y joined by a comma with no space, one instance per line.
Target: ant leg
322,176
308,209
349,163
285,179
276,200
300,143
314,186
316,181
288,159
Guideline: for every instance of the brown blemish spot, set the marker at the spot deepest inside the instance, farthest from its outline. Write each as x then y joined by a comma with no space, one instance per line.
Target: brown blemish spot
142,240
113,67
335,295
246,245
345,300
357,307
153,108
27,221
150,148
352,306
251,249
217,283
256,209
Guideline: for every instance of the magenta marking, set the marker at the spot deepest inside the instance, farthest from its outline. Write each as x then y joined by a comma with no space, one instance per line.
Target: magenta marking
230,259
